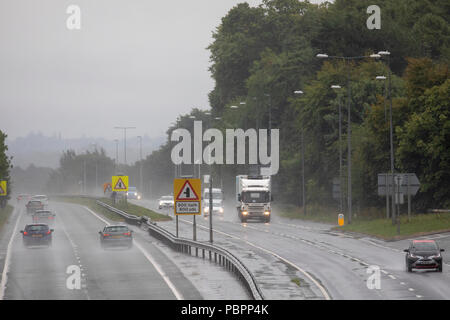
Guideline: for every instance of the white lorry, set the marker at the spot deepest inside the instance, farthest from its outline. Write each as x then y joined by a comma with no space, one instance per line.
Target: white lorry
217,201
253,197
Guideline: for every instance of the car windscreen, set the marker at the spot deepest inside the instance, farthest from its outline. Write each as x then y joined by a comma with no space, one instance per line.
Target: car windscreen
36,228
424,246
116,229
167,198
35,203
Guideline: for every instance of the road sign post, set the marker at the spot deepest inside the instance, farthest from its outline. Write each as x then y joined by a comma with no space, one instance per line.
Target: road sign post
401,184
187,198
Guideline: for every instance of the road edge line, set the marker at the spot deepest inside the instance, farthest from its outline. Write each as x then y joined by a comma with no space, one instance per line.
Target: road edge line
8,257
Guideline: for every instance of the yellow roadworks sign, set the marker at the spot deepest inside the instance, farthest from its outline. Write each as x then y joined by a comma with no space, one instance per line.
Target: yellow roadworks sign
3,191
119,183
187,196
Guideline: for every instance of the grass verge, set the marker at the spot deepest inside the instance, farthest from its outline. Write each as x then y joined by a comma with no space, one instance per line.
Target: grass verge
4,214
371,222
420,224
128,208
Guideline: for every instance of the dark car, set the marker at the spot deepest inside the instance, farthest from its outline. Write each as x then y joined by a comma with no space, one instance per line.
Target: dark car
43,216
34,205
37,234
117,235
423,254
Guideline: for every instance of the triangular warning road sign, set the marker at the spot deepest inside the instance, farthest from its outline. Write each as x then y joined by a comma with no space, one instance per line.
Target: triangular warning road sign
187,192
120,185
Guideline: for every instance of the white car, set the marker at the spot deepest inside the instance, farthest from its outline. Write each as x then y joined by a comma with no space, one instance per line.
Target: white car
42,198
166,202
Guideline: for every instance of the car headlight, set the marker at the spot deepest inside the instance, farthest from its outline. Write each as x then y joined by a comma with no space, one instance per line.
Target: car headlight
206,209
221,210
435,256
266,213
160,203
244,213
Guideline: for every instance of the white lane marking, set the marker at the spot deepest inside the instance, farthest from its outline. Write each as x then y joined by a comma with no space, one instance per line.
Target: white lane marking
392,277
147,255
411,289
74,247
319,286
384,271
8,258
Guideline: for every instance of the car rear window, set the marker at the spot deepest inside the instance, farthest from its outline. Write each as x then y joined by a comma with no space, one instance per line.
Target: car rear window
116,229
36,228
43,213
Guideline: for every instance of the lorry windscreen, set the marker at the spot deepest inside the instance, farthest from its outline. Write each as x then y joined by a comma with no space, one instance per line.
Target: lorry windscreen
255,196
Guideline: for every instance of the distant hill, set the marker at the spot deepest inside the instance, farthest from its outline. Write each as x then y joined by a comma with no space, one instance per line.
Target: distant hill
43,151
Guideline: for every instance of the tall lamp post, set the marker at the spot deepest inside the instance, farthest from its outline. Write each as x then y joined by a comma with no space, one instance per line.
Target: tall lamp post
140,165
303,165
383,78
349,132
391,138
341,202
194,222
117,154
125,140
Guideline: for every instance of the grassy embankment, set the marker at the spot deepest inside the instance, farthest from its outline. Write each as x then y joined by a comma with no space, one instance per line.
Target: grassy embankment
128,208
4,214
371,222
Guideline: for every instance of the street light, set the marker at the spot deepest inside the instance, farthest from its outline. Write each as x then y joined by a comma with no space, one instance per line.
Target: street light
341,209
391,137
140,164
117,152
125,140
303,165
349,141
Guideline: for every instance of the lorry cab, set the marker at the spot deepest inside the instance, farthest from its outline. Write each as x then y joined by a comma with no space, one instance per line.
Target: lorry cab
253,197
217,201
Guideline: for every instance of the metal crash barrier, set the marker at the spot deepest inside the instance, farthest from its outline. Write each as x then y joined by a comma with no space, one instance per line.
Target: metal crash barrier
200,249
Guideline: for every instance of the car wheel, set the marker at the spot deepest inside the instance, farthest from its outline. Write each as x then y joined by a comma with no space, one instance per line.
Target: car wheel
408,267
440,267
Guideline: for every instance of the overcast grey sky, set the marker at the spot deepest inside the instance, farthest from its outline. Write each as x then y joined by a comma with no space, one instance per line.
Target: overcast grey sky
133,63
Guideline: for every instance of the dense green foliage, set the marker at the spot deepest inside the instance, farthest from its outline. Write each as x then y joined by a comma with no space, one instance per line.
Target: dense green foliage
5,165
261,55
95,166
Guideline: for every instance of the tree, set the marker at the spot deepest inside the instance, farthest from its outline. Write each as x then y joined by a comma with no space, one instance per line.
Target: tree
5,165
